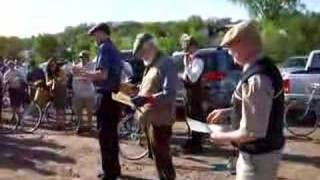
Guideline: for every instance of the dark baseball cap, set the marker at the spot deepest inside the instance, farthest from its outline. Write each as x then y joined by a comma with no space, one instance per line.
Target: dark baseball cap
104,27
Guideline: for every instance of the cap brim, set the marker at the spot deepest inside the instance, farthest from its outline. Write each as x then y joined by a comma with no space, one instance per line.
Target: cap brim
226,42
92,31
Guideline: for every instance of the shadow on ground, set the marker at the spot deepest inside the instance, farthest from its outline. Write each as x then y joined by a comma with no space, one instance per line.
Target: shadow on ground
29,153
303,159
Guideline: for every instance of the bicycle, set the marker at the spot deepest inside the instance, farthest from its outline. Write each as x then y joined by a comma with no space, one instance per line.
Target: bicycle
133,141
301,117
38,113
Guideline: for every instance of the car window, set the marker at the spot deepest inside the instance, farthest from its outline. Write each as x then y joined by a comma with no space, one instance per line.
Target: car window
217,61
295,62
178,61
315,61
126,56
213,60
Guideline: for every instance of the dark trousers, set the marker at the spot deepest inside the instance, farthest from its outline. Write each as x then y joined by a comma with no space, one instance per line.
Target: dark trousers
108,117
159,139
195,111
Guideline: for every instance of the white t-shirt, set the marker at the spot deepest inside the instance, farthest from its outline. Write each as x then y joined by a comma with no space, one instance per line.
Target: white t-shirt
13,78
23,71
193,70
127,72
83,87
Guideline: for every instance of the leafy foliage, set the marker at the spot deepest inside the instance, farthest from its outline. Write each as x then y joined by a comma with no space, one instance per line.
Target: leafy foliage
286,31
270,9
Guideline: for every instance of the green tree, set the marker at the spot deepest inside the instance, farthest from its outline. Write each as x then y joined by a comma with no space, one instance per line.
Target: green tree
10,47
45,46
269,9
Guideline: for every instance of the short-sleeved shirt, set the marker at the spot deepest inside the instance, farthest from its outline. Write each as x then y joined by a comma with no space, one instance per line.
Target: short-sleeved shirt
13,78
36,74
193,70
108,59
257,97
83,87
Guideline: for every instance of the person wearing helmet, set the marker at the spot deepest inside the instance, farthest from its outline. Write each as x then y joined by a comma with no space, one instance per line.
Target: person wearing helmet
156,100
193,69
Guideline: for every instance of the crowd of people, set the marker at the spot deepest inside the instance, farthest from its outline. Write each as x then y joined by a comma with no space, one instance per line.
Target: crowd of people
27,82
256,112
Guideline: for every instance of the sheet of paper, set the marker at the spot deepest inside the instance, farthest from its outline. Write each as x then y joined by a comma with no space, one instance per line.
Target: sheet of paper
122,98
198,126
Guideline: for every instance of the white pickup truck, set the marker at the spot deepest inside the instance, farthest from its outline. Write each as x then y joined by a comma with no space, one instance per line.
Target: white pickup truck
297,84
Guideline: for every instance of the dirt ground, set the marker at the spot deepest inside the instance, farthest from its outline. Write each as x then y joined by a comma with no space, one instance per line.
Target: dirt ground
62,156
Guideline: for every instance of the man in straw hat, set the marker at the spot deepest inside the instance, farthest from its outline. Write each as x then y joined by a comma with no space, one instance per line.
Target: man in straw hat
156,99
258,104
193,69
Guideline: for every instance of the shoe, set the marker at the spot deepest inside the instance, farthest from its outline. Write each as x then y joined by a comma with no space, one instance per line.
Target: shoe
59,127
192,148
232,166
82,130
102,176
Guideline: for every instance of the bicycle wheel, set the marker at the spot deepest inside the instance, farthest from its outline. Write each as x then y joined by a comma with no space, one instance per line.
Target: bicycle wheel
31,118
49,116
133,141
10,123
300,119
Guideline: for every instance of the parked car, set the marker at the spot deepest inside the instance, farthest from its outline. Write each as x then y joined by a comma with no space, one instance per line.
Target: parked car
293,64
219,78
297,84
136,65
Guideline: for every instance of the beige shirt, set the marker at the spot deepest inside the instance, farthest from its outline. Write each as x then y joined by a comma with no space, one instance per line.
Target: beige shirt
257,97
83,87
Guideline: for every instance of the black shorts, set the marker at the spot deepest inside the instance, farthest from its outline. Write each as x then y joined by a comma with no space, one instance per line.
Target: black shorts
17,97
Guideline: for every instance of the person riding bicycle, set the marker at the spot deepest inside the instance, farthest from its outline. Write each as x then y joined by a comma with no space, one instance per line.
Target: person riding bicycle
57,81
83,93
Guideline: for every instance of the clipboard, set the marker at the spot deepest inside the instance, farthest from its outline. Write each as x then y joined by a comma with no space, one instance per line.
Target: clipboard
123,99
128,88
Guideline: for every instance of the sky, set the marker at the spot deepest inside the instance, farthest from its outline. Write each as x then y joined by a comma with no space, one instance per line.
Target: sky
24,18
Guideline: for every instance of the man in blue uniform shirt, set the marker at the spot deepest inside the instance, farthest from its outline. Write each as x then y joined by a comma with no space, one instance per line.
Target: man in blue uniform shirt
106,77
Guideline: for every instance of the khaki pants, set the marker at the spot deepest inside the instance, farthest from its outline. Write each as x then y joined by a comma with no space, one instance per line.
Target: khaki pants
81,103
159,139
258,167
